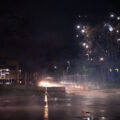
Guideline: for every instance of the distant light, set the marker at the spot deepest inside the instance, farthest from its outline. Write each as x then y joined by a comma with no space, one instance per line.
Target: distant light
101,59
118,40
88,118
112,15
117,31
117,70
55,67
110,28
84,44
7,69
44,84
91,59
83,31
118,18
103,118
87,46
20,82
79,16
78,26
110,69
77,36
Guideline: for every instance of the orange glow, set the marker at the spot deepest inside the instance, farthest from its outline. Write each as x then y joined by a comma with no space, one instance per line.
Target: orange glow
46,112
20,82
46,106
45,83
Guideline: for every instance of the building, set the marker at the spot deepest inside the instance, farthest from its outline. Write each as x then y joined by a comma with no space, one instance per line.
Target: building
10,72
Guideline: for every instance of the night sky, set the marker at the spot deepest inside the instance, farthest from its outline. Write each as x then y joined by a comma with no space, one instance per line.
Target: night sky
40,34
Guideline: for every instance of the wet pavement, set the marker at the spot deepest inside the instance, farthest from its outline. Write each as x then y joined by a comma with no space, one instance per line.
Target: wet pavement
59,106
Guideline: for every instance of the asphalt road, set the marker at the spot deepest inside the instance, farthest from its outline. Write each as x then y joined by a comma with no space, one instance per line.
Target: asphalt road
104,105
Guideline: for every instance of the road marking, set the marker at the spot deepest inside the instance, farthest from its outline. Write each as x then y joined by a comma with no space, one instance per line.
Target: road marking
46,106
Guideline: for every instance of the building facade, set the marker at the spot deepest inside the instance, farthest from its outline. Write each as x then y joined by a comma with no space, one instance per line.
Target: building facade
10,72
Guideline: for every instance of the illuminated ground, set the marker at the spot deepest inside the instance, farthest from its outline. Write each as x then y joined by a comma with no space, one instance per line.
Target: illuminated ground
104,104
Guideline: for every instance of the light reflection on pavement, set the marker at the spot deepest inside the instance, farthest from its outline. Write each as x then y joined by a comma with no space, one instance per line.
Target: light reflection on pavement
46,106
59,106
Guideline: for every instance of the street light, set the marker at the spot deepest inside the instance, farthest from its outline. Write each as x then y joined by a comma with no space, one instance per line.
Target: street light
109,26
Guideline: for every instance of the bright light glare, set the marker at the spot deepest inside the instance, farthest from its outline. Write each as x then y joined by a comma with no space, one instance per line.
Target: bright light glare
43,84
101,59
112,15
117,31
83,31
78,26
103,118
7,69
118,18
87,46
91,59
84,44
110,28
48,84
